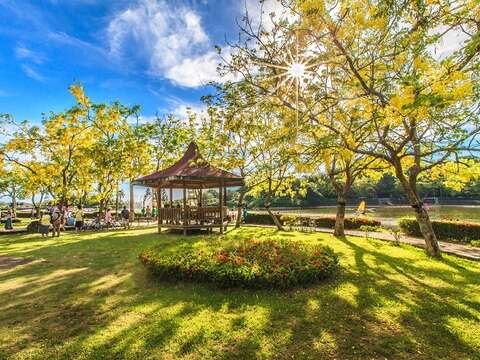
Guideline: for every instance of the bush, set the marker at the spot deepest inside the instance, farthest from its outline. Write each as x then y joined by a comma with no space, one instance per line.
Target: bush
317,221
462,231
475,243
260,219
350,222
369,228
255,264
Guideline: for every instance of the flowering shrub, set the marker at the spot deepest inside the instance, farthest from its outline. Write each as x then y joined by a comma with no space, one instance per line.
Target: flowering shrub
255,264
463,231
304,221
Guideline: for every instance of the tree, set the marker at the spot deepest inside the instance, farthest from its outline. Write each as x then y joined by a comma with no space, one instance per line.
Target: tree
167,137
268,68
255,143
110,124
322,151
231,107
82,153
59,146
372,62
11,186
418,111
32,186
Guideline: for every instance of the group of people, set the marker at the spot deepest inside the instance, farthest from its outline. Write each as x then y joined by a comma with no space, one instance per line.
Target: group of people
55,217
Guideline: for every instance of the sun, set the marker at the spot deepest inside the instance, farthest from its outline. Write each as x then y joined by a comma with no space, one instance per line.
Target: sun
290,72
297,70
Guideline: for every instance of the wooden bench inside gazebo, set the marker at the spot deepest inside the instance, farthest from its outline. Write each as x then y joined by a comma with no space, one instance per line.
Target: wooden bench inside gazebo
190,173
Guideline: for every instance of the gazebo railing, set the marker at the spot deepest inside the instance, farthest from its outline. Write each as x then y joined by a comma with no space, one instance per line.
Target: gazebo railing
191,215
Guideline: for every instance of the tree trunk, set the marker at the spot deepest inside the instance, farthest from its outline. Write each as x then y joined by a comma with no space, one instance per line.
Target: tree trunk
238,221
431,242
274,217
116,202
14,201
101,207
340,217
38,205
83,199
428,233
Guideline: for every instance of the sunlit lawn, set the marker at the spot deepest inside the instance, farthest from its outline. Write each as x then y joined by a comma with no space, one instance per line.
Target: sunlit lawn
87,296
22,223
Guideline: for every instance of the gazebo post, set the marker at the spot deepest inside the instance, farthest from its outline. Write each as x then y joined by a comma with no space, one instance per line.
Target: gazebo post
171,197
184,209
159,207
152,205
220,201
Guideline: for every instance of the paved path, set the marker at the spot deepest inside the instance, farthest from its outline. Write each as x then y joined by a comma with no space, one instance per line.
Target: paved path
467,252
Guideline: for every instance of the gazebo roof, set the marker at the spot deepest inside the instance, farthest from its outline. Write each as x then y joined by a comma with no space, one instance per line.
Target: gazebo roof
192,172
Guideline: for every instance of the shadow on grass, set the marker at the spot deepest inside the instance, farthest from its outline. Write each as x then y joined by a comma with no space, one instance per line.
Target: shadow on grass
92,298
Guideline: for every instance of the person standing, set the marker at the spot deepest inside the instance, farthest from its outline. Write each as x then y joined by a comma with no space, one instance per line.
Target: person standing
108,218
125,215
148,214
57,220
79,215
44,224
244,214
50,208
9,221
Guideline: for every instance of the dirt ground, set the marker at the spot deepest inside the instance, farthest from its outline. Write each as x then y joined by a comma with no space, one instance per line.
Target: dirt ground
7,262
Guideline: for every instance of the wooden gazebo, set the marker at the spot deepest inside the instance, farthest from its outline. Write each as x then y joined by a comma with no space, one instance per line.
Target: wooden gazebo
191,172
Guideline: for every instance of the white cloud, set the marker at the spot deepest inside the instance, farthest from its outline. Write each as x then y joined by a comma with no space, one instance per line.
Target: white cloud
74,42
260,12
195,71
33,74
6,132
450,42
181,108
169,39
23,53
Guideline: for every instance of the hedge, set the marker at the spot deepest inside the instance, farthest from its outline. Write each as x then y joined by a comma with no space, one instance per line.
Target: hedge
462,231
254,264
316,221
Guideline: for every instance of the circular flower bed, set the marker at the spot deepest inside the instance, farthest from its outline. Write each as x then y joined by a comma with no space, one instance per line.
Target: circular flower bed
255,264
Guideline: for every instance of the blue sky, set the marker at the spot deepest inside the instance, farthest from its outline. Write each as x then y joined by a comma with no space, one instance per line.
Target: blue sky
155,53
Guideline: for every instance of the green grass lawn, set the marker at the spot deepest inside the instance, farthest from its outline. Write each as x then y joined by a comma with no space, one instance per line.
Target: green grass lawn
23,223
88,296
